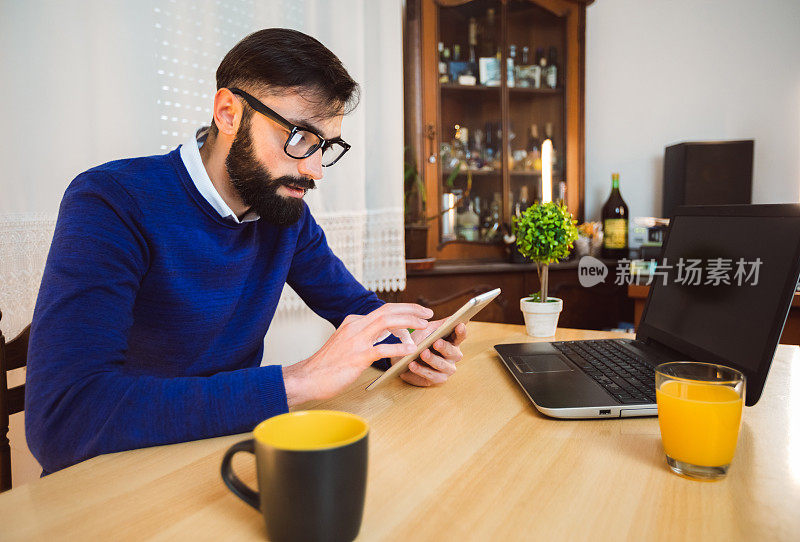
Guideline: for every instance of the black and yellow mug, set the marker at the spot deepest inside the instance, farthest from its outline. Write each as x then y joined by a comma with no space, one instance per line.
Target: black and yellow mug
312,474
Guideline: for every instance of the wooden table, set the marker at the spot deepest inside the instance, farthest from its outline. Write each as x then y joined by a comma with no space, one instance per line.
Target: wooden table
470,460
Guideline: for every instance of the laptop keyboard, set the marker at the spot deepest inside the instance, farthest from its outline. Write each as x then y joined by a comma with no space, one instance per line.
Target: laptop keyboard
630,380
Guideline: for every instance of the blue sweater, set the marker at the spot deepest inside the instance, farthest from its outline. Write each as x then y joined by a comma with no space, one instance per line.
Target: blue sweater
151,316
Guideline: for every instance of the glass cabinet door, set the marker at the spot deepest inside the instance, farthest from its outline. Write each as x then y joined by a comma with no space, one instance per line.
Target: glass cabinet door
471,129
502,87
536,46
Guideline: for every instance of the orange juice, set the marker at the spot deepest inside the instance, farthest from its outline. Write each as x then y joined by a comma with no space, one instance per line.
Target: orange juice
699,422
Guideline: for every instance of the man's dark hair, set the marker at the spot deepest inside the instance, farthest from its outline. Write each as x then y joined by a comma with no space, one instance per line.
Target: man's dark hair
282,59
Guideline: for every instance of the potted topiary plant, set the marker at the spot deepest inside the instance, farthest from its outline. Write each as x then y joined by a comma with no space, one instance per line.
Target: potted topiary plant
544,234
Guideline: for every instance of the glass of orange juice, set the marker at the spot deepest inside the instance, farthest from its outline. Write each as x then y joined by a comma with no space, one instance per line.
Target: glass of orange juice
699,412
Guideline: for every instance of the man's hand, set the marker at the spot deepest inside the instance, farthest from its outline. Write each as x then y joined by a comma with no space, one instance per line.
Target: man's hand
351,349
440,360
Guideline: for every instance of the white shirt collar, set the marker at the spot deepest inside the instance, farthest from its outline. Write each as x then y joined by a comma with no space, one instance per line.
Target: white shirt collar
190,154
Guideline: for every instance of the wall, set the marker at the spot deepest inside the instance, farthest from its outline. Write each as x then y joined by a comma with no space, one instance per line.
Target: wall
660,72
62,111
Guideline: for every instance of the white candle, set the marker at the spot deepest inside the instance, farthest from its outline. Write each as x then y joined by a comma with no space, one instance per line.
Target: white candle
547,171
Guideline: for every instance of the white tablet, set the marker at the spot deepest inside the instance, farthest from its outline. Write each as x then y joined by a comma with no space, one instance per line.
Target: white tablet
464,314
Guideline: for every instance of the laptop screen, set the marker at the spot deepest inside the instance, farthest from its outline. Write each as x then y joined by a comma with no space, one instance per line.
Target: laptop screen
723,288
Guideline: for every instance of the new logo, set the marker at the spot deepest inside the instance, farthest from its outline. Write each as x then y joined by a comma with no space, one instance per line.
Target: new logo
591,271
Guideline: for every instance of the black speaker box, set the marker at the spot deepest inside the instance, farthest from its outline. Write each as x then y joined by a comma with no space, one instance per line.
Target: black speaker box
707,173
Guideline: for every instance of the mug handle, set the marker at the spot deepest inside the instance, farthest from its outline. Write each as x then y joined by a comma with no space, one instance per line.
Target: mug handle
238,487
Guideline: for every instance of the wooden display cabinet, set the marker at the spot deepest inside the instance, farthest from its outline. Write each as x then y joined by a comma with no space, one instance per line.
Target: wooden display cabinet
503,113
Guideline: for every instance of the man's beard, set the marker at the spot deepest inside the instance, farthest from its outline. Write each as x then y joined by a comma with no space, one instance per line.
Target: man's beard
257,188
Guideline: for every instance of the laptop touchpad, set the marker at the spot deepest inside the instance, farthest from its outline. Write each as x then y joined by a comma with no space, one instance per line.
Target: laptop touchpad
540,363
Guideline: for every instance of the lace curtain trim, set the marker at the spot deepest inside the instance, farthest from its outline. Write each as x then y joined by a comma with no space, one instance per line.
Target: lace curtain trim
370,243
24,241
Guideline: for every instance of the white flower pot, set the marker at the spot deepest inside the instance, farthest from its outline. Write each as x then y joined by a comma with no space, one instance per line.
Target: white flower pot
541,319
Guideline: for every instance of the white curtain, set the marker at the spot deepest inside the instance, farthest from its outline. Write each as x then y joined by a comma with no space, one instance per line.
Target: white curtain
85,82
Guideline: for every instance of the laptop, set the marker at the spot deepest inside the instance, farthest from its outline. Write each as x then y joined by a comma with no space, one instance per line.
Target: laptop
731,312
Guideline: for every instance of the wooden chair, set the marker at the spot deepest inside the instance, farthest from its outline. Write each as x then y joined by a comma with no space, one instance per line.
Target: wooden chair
13,355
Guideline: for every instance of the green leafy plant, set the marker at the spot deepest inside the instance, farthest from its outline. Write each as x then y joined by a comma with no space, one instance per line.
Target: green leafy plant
545,233
414,190
414,198
450,182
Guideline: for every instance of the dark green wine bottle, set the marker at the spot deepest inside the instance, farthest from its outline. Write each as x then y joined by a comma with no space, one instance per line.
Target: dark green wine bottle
615,223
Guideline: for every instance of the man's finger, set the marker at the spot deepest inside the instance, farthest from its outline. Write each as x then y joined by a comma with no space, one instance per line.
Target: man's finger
403,308
426,372
447,350
403,335
460,334
392,350
421,333
379,325
415,379
439,363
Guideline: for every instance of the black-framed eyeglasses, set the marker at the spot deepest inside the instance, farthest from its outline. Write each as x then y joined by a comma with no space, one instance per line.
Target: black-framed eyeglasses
302,142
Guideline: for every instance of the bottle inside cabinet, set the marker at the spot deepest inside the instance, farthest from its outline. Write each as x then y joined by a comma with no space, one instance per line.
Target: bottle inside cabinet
471,168
537,101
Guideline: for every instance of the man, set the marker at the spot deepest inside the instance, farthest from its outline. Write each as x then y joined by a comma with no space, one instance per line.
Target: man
165,272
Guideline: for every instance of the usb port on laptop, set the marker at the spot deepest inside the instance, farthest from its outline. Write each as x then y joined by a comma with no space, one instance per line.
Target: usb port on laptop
605,411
